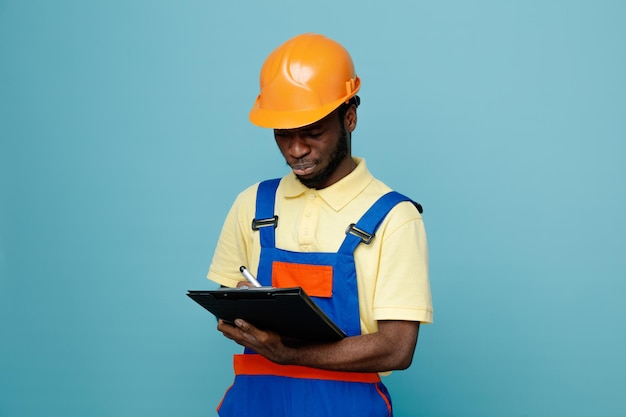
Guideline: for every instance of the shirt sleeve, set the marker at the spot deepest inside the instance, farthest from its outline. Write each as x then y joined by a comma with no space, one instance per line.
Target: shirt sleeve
402,289
234,246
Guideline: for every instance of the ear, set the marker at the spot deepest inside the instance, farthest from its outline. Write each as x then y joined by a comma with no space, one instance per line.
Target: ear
350,119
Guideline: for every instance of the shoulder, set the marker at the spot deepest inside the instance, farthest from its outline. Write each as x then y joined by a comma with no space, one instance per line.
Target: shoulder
404,214
410,208
246,199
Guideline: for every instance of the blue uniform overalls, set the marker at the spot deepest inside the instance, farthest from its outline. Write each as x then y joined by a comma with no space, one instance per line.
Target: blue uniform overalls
265,389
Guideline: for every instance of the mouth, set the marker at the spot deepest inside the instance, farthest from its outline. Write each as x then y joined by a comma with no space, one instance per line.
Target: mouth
302,170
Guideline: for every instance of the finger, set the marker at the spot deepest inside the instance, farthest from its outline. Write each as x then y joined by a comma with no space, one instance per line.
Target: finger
226,328
246,327
250,332
231,332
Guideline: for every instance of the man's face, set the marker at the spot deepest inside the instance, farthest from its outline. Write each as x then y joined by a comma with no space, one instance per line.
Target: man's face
317,153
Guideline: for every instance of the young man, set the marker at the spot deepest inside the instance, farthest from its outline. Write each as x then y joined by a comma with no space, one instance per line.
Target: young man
361,256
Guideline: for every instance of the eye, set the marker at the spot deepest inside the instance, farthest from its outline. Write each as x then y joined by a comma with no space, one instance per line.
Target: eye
314,134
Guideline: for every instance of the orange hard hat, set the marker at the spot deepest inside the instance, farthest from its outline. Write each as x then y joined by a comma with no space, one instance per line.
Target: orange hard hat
302,81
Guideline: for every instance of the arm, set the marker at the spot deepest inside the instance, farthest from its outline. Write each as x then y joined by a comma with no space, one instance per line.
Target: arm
388,349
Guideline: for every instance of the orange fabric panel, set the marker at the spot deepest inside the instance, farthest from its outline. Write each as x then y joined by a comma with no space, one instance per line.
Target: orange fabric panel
315,280
255,364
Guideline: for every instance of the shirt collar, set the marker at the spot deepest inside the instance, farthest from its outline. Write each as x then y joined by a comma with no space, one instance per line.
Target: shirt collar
337,195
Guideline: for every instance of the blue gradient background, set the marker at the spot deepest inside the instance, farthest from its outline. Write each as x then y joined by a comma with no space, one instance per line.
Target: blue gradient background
124,139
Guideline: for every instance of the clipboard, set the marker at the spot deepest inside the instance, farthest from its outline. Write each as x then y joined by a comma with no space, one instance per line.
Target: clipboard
288,311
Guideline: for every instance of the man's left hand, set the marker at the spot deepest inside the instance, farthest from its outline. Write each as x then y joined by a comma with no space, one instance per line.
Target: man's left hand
266,343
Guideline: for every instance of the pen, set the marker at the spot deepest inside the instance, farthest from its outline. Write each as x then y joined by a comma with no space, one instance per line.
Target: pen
248,276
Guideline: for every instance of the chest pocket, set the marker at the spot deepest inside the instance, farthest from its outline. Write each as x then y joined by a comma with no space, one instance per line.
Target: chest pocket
315,280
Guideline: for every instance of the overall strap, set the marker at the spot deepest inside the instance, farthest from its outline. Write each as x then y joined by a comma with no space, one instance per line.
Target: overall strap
265,221
364,230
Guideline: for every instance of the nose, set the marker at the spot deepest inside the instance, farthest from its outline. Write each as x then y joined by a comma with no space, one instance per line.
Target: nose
298,147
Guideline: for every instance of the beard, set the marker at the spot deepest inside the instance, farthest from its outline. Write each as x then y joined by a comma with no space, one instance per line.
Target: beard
336,157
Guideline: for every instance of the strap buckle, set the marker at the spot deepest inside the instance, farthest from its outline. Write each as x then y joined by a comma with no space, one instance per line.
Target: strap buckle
257,224
361,234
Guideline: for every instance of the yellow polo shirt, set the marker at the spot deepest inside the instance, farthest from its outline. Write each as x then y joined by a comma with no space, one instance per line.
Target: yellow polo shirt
392,271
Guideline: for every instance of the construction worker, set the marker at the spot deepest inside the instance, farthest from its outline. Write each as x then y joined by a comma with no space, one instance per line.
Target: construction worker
357,248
